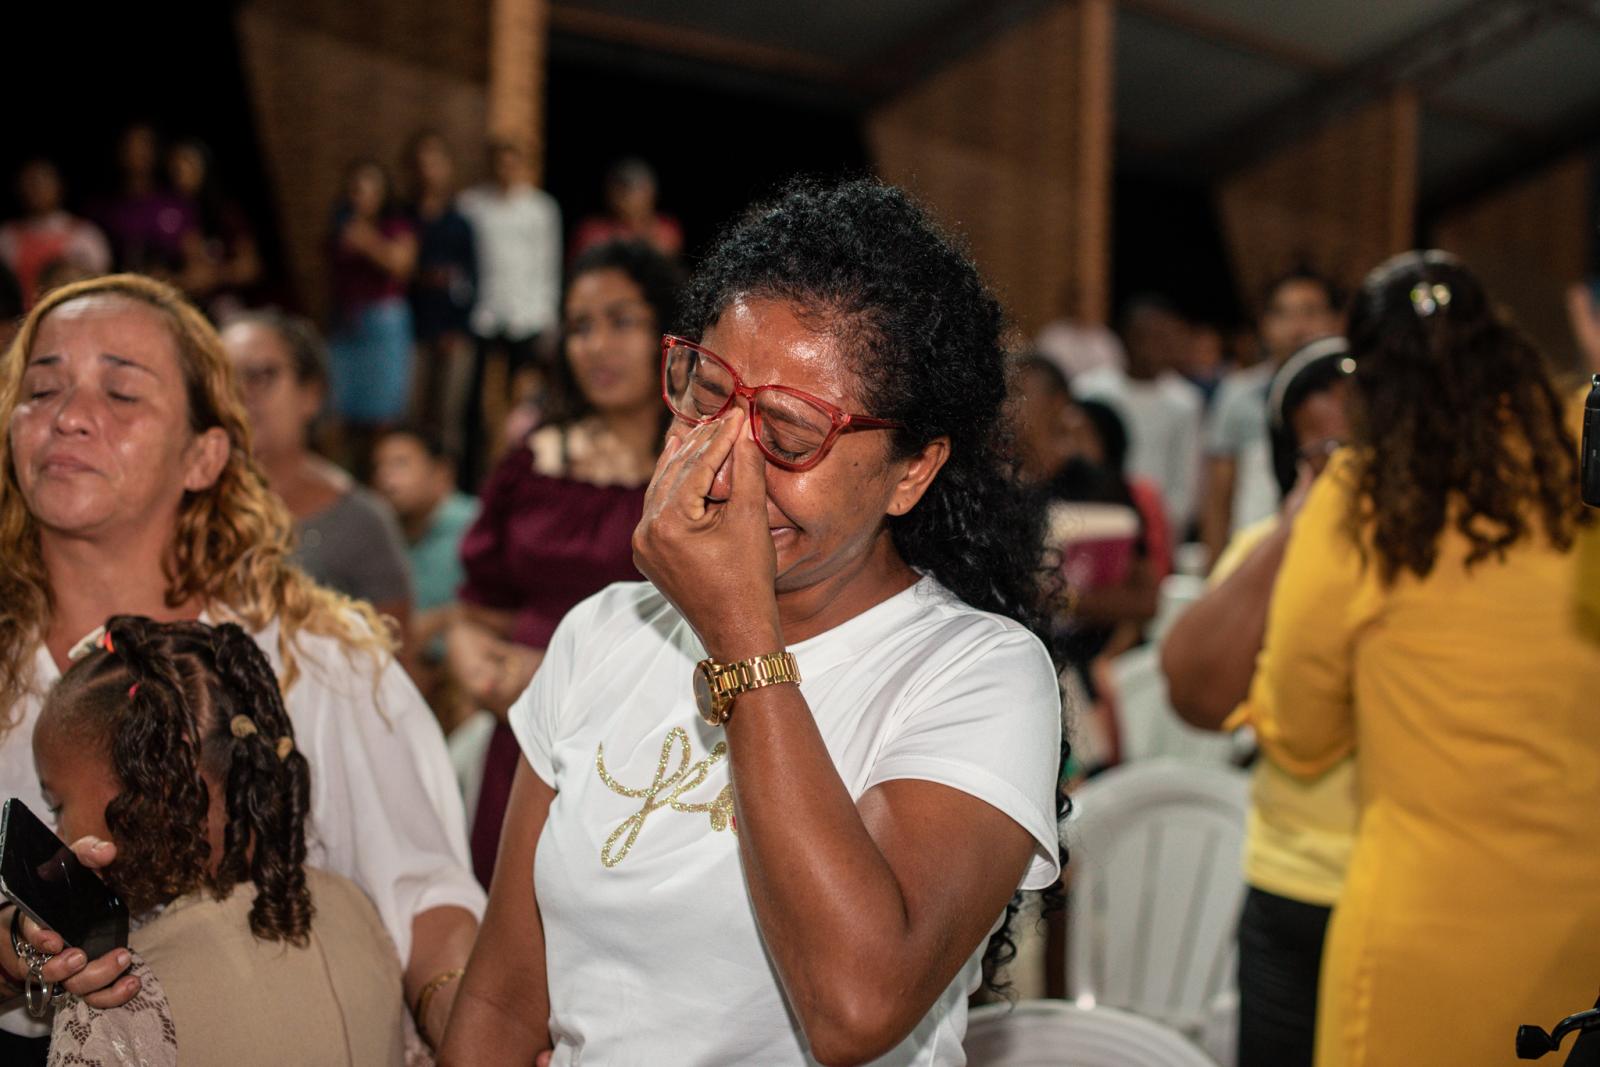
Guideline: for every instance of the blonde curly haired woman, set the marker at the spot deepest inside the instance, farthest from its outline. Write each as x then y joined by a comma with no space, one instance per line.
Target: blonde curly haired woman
128,488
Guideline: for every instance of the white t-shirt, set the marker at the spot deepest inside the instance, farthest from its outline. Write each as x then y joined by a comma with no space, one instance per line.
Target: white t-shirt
518,235
652,943
385,807
1238,430
1163,418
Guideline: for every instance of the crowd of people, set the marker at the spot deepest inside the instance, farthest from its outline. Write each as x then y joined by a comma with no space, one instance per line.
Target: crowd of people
377,664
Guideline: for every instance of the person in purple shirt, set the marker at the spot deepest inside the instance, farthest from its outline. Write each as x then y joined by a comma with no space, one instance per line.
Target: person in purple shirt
151,228
374,252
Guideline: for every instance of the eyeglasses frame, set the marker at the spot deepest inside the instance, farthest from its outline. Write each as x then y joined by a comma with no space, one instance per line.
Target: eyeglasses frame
841,421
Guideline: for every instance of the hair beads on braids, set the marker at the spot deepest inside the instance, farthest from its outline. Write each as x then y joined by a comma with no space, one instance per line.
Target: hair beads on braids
162,701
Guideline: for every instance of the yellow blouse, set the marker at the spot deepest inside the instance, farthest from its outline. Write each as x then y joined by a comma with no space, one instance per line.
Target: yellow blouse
1472,704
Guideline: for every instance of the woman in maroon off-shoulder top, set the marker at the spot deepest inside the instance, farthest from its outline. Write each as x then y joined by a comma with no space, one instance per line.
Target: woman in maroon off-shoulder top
558,515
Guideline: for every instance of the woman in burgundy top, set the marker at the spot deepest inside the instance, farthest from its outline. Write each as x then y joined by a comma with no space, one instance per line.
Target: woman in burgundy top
558,515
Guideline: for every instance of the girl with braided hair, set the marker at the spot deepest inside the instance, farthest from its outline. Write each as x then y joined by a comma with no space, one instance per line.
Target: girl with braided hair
127,487
172,740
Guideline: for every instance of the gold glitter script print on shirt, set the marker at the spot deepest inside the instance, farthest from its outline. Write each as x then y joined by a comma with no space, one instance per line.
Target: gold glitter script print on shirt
665,791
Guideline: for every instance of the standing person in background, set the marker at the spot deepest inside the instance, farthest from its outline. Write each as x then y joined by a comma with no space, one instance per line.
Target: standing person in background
416,474
222,261
442,290
1423,620
518,232
346,537
1070,452
46,233
559,511
1160,410
150,227
631,213
374,251
1299,835
1298,307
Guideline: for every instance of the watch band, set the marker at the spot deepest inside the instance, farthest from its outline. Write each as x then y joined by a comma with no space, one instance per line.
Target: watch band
732,679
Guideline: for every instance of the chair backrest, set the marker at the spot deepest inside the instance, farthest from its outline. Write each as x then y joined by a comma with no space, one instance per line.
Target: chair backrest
1156,890
1053,1033
1177,592
1148,726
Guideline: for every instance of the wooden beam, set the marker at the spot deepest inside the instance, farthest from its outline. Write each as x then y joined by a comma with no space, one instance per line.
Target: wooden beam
1231,35
1421,61
697,44
517,40
1096,121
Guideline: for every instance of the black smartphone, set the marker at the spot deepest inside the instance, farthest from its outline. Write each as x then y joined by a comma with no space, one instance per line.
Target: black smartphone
1591,446
42,876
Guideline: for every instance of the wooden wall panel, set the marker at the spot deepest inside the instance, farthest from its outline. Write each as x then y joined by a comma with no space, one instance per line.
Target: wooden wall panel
1529,242
1011,146
328,88
1341,199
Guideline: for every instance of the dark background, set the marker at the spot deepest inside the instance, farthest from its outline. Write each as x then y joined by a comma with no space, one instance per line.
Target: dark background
720,140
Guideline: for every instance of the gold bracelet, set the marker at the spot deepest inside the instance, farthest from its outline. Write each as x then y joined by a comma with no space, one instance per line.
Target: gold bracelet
436,983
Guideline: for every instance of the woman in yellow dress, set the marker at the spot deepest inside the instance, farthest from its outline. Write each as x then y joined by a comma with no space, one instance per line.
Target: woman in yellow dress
1424,619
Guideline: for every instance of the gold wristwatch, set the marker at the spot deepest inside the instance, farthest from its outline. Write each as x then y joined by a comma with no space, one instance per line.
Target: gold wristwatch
717,684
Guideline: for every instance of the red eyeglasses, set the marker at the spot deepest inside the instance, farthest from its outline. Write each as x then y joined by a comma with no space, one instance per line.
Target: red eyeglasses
793,429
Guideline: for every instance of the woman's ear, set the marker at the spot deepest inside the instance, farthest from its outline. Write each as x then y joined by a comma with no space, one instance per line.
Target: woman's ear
208,455
918,475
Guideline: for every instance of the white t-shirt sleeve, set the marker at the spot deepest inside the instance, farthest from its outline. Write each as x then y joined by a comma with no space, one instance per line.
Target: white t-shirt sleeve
988,723
386,806
535,717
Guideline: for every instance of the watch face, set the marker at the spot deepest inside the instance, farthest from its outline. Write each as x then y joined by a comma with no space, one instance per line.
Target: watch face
702,697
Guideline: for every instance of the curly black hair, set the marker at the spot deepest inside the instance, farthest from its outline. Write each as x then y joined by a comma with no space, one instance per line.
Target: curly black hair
1457,421
177,706
868,265
660,281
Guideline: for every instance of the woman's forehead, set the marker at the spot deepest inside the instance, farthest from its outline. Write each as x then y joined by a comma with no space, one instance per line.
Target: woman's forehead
109,321
774,342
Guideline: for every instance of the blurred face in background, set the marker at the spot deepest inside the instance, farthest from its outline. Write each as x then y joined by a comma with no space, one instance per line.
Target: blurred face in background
366,190
280,407
1041,419
1321,425
432,167
39,187
409,477
633,199
613,341
1155,341
137,153
186,168
1297,313
506,164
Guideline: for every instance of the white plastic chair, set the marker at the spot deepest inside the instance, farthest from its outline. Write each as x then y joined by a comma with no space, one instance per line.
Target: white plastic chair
1149,728
1156,892
1053,1033
1177,592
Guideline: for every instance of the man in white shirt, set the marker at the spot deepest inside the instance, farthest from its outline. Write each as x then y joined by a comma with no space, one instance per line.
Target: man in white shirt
1161,409
518,232
1299,306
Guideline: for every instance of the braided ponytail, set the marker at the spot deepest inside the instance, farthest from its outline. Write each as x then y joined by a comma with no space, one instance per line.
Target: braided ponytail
268,793
175,704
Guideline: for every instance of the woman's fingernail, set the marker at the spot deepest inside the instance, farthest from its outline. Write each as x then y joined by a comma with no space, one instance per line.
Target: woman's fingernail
75,959
123,959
